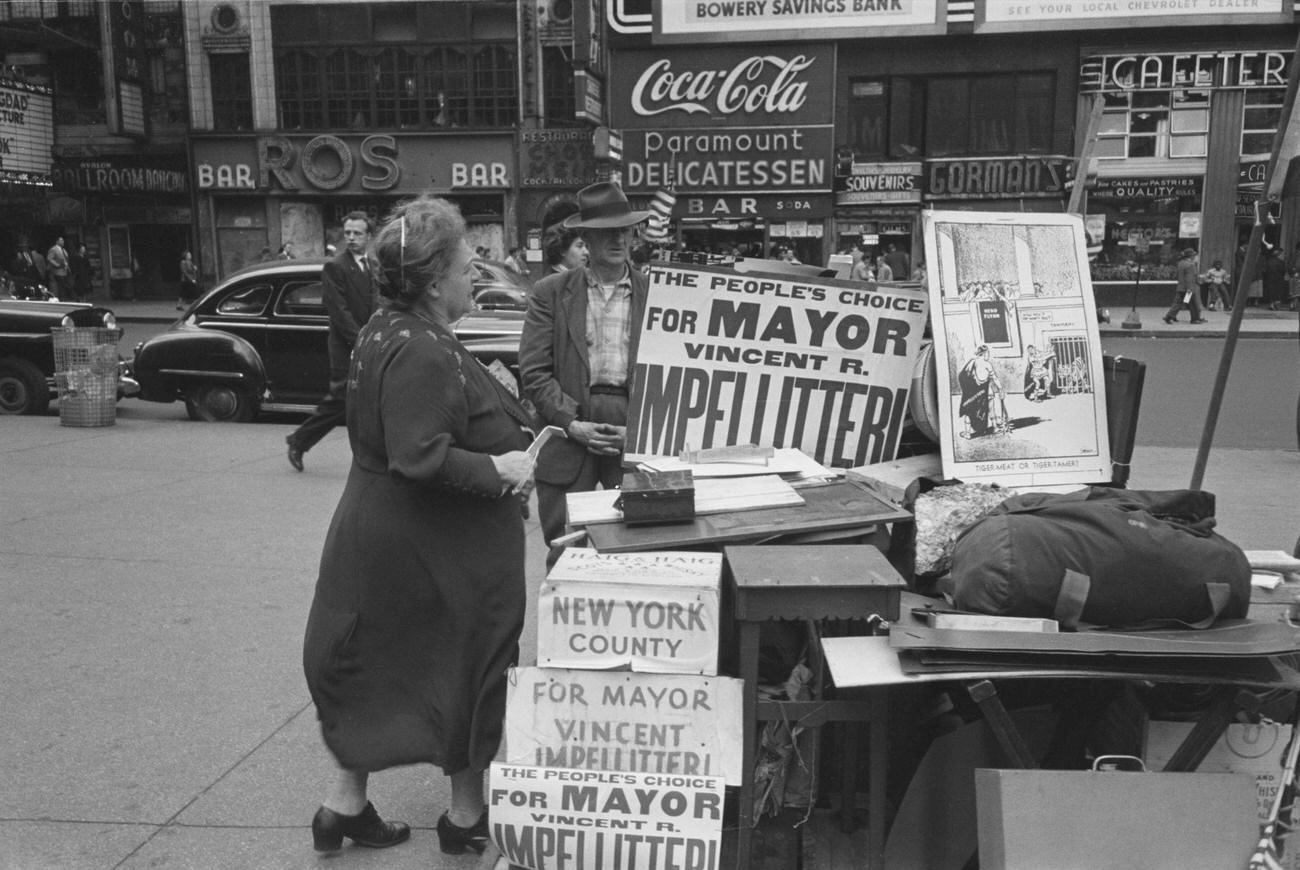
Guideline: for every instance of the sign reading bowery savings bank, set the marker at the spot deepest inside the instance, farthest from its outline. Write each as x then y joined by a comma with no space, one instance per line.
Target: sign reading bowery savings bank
700,20
727,358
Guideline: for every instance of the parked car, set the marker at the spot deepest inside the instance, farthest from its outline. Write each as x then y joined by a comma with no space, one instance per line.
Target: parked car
498,287
258,341
27,351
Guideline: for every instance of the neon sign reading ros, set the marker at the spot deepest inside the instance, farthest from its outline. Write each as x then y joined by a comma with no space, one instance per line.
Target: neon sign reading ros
763,83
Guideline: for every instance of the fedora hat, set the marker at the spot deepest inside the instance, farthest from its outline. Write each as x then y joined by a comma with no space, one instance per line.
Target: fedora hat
601,206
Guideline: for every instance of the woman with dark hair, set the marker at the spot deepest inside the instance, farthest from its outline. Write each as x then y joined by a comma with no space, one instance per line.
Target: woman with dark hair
420,598
564,248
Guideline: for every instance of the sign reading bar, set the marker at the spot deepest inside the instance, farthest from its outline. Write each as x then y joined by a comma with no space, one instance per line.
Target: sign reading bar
26,133
547,818
651,612
818,364
614,720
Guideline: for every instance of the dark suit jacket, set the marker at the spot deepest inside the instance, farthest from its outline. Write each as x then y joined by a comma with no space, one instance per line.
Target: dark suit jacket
350,300
553,363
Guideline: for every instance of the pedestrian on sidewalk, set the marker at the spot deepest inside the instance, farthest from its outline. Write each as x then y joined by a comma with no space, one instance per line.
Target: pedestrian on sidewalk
1187,291
1216,287
347,287
79,264
189,286
421,595
56,260
1273,273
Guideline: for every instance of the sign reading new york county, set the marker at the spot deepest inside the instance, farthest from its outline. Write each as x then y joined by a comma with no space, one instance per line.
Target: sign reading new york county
548,818
818,364
26,133
616,720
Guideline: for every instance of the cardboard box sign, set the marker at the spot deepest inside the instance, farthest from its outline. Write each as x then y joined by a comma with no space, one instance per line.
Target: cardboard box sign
616,720
1064,819
650,612
547,818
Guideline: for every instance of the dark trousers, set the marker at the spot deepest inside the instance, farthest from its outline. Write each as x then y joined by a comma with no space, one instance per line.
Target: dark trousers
331,412
605,471
1193,305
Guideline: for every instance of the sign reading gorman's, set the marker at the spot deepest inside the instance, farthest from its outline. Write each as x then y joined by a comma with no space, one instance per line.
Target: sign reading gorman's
725,359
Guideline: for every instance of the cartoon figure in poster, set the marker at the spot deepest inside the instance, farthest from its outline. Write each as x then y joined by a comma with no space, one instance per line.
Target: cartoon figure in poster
983,406
1040,374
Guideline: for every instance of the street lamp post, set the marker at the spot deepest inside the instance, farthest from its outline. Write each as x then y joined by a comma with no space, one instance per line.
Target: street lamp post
1141,245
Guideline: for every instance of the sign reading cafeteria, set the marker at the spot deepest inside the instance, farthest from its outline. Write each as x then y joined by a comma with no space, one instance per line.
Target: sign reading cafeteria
704,20
547,818
727,359
26,133
615,720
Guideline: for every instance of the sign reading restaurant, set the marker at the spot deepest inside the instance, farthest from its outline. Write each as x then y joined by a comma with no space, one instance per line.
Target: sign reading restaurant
728,121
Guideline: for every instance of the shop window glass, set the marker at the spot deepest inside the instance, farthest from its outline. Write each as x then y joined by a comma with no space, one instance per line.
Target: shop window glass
868,119
396,65
992,114
558,96
947,116
906,118
232,100
1162,124
1259,122
1034,102
1000,114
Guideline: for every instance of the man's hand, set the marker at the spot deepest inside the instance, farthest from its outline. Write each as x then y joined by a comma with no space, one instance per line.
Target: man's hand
602,439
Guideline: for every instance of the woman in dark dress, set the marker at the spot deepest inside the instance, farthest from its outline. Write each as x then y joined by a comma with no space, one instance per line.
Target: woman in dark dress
420,598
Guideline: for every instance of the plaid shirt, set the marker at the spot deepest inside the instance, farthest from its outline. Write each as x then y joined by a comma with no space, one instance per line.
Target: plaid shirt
608,329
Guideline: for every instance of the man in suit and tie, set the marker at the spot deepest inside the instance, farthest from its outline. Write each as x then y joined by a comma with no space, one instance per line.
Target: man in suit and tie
577,353
350,300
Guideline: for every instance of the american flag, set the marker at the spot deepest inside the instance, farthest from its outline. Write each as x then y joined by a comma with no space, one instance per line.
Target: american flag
661,212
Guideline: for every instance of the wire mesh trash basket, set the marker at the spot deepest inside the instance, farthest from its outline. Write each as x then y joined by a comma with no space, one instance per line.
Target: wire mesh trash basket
85,363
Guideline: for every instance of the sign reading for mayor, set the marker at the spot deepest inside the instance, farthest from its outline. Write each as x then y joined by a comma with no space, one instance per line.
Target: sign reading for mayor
650,612
818,364
549,818
616,720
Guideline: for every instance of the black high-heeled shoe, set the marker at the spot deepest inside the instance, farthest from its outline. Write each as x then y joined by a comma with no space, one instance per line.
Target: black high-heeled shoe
453,839
366,828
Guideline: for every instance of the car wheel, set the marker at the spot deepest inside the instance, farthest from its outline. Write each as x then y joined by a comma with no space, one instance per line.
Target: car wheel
22,388
219,403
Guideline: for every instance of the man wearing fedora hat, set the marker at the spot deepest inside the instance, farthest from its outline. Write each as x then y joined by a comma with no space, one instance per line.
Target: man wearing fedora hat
1187,290
576,355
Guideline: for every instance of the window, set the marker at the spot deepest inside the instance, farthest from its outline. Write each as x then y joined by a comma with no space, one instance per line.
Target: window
232,101
904,118
302,298
558,97
1167,124
396,65
1260,120
246,300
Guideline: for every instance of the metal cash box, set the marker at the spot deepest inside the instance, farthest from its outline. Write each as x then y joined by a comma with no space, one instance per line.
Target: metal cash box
649,497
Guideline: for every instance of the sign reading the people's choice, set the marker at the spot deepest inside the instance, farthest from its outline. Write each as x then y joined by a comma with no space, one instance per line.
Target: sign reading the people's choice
650,612
1021,398
617,720
818,364
547,818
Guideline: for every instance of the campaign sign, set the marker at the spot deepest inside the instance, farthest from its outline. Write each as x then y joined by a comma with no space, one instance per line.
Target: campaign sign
548,818
814,363
649,612
615,720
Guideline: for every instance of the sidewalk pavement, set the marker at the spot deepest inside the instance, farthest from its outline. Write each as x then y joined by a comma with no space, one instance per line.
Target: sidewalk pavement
1255,323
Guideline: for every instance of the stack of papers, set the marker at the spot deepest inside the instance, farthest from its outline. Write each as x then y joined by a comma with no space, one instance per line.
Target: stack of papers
712,496
789,463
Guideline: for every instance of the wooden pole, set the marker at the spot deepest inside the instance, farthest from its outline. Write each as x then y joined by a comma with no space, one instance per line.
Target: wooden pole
1274,176
1084,163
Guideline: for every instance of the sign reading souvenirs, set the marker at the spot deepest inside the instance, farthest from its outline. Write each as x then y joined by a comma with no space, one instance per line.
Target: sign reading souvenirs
547,818
1207,69
857,183
817,364
1007,15
1021,401
651,612
771,20
998,177
614,720
26,133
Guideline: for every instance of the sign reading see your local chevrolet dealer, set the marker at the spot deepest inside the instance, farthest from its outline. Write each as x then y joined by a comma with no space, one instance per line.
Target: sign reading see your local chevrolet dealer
26,133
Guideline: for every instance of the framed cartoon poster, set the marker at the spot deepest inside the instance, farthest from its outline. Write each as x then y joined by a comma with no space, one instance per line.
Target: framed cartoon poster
1019,371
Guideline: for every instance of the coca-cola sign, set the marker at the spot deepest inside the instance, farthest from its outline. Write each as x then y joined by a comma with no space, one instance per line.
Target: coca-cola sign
723,86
